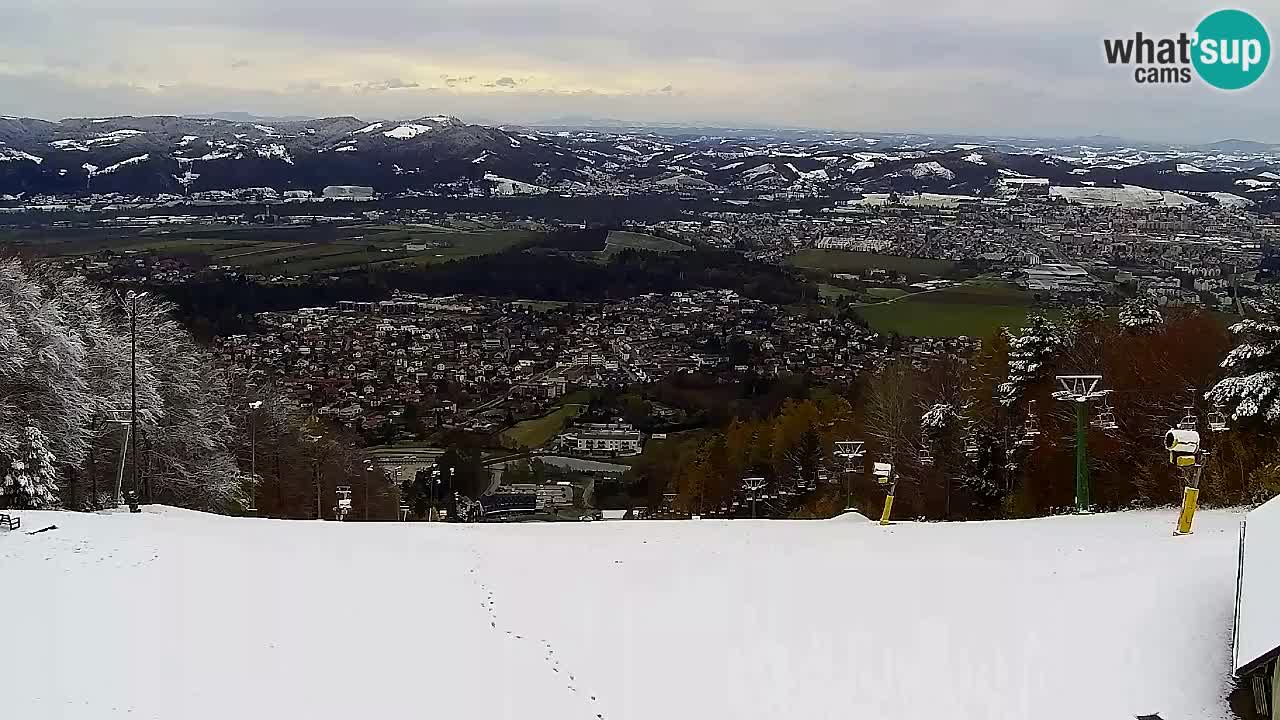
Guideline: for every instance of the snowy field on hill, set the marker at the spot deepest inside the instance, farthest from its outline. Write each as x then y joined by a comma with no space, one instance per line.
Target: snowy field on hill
179,615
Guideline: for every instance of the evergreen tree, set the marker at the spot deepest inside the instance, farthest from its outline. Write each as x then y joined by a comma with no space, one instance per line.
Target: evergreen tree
1140,315
1030,353
31,481
1251,390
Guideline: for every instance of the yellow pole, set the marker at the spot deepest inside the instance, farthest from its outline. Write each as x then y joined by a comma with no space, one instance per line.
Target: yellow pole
888,507
1189,497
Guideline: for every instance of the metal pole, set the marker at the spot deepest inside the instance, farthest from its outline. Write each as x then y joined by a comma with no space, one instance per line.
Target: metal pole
1082,457
253,461
133,386
315,475
366,496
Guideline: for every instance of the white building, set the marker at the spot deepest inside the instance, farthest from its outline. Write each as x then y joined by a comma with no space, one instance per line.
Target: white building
610,439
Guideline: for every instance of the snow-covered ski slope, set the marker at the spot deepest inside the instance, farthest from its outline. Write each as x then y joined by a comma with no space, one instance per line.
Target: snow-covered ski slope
172,614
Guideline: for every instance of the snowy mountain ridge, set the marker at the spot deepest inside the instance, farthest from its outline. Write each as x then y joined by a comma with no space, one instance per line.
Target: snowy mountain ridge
186,155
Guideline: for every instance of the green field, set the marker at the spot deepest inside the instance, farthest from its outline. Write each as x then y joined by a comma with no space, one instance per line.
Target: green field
539,431
885,293
640,241
834,292
279,250
849,261
976,309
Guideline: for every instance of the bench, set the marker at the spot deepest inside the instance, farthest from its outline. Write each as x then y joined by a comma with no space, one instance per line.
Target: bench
10,522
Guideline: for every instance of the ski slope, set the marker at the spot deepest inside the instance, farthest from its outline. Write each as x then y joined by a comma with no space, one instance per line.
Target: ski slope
173,614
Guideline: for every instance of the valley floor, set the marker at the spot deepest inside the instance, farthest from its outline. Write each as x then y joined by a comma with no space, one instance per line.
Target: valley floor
173,614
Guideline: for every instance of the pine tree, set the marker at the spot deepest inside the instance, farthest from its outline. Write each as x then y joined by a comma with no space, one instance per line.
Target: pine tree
31,482
1140,315
1251,390
1029,356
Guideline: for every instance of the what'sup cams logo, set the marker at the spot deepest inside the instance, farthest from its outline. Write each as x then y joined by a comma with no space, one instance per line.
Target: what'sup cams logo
1229,50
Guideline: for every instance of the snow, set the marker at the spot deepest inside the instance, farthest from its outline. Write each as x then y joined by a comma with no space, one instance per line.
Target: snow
213,155
368,129
12,155
345,148
1230,200
1124,196
69,145
123,163
1187,168
975,158
158,614
507,186
405,132
266,129
188,139
730,166
930,169
277,151
1257,622
1269,176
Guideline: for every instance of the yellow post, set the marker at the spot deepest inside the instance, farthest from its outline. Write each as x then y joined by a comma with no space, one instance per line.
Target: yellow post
1189,497
888,507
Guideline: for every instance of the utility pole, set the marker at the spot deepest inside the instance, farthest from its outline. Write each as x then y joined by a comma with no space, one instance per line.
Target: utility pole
253,455
133,387
1080,389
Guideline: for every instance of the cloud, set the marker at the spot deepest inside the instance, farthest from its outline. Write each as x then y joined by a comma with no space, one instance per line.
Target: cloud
995,66
452,81
384,86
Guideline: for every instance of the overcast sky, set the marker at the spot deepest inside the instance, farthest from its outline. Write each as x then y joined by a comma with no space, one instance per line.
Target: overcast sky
1020,67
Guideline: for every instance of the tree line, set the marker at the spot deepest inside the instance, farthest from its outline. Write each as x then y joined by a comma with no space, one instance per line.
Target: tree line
983,436
78,358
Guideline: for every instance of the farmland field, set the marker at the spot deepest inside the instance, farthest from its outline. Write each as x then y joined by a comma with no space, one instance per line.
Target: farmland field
640,241
277,250
850,261
539,431
976,309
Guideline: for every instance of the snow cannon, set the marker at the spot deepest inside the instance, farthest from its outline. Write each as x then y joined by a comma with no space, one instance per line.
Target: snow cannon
1182,442
882,471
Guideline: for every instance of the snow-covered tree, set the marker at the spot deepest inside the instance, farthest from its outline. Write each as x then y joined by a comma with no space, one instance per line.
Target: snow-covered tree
937,419
1029,354
1251,390
1140,315
30,480
67,363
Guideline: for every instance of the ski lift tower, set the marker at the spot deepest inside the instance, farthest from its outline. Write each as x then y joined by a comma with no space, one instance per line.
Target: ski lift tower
849,451
754,486
124,419
1080,389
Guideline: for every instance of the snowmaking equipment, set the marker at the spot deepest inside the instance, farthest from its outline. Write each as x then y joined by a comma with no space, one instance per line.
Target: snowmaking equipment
884,475
1188,454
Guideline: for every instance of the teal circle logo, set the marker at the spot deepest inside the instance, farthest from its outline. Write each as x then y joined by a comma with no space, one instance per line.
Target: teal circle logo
1232,49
